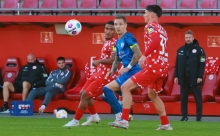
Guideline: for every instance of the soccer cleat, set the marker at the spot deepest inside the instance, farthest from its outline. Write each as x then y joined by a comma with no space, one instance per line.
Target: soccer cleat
72,123
119,124
4,110
91,120
164,127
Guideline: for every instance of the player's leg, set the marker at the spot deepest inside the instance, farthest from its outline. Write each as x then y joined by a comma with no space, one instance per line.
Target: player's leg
94,117
7,87
109,90
153,90
117,116
86,98
127,101
25,91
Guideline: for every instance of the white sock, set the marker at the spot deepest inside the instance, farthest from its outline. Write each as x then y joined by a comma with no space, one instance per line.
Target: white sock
118,116
43,107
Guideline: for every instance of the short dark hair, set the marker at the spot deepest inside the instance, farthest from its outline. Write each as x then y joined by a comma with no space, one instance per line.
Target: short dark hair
121,17
60,58
155,8
189,32
110,23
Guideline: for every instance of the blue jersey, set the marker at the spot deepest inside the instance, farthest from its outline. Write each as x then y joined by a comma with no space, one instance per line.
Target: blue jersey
124,51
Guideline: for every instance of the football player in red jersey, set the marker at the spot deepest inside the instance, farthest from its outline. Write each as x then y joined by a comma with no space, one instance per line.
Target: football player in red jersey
93,86
154,63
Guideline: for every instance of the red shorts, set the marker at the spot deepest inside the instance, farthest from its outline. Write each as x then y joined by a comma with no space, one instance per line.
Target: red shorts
146,78
93,86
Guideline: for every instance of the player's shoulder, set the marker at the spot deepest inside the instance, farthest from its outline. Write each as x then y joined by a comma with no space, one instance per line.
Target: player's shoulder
128,34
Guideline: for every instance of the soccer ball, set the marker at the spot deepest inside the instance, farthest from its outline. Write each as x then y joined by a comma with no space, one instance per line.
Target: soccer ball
73,27
61,114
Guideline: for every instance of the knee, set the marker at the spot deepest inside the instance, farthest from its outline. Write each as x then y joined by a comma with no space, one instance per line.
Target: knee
26,85
81,92
6,84
124,88
84,96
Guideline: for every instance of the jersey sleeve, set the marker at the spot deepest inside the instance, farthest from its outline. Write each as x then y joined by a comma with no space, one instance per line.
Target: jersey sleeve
154,39
131,41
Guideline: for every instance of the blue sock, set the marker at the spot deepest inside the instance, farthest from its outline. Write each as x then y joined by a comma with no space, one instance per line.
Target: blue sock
106,100
112,100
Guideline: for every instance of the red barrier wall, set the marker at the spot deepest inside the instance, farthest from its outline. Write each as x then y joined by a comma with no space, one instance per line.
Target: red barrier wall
19,40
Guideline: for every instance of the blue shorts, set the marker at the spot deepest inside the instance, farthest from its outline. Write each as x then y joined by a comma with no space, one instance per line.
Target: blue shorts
122,78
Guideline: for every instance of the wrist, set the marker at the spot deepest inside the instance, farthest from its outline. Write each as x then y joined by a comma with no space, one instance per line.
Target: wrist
129,66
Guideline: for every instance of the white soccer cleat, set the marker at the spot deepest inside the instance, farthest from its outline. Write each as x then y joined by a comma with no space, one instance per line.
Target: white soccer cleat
165,127
72,123
119,124
91,120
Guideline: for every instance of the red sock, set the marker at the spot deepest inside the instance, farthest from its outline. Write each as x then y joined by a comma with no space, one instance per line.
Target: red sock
164,120
79,114
125,113
91,109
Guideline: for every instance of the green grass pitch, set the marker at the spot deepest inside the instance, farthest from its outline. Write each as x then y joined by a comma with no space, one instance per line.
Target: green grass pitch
12,126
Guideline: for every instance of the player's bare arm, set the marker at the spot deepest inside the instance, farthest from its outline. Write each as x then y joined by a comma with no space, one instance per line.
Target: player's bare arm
136,56
114,66
106,61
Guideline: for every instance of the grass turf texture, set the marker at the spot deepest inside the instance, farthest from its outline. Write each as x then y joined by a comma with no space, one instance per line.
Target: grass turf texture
53,127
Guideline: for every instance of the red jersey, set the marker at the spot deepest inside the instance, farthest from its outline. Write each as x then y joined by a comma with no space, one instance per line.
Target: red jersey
155,39
102,69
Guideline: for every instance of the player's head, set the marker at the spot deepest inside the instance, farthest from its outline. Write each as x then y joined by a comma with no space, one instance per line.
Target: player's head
120,23
31,58
189,36
61,62
152,13
109,30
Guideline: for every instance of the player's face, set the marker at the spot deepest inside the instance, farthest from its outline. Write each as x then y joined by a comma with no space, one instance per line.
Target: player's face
31,59
61,64
120,26
189,38
146,16
109,31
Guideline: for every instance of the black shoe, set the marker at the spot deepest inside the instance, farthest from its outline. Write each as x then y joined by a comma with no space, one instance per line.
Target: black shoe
184,119
198,119
4,110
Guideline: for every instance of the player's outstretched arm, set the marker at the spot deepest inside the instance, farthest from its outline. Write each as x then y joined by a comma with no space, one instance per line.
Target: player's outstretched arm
108,61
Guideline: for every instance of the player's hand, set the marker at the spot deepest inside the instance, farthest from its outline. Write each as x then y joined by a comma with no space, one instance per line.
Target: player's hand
199,80
95,62
59,85
110,73
176,80
141,61
123,70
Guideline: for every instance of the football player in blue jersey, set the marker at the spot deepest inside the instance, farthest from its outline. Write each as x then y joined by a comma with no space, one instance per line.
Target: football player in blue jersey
127,52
